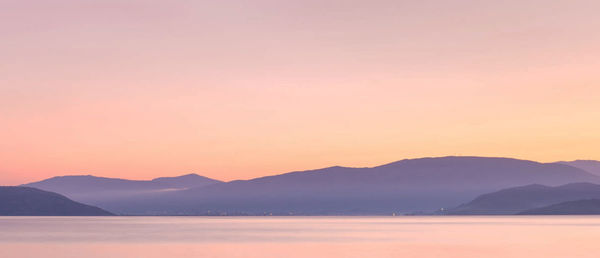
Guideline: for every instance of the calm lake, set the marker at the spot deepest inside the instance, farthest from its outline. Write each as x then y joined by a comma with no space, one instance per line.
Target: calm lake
493,236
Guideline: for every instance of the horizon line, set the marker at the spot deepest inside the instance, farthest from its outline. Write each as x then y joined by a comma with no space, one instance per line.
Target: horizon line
294,171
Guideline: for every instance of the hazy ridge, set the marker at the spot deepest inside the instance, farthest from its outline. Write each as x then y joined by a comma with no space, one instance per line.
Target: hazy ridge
406,186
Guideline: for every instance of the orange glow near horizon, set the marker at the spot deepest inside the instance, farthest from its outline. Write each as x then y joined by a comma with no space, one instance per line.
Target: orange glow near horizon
241,89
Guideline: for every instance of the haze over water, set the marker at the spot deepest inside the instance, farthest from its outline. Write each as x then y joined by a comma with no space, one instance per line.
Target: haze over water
498,236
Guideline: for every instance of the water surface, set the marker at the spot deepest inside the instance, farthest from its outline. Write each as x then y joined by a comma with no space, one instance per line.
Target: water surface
493,236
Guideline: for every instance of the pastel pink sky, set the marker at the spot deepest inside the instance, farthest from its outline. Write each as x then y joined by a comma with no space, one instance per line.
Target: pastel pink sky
241,89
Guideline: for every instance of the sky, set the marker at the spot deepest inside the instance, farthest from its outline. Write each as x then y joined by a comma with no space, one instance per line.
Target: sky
239,89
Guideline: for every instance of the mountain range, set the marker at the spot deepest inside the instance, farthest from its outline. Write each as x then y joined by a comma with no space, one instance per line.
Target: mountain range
405,186
106,192
74,185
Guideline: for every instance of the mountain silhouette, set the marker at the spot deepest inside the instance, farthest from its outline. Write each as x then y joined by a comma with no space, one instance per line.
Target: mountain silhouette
518,199
27,201
104,192
579,207
406,186
401,187
72,185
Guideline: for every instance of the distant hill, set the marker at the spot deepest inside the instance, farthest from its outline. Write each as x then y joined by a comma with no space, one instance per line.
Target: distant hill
108,192
73,185
185,181
400,187
579,207
591,166
518,199
27,201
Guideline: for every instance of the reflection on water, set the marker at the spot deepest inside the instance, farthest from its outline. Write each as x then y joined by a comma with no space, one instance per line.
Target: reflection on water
494,236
